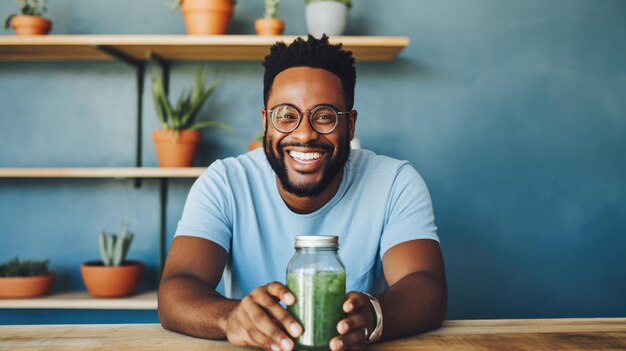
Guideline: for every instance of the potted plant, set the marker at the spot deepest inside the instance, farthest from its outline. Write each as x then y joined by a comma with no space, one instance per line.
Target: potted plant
30,21
113,276
24,279
327,16
204,17
177,141
270,24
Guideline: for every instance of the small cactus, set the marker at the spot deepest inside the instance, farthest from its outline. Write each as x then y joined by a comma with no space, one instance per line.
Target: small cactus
25,268
113,248
271,8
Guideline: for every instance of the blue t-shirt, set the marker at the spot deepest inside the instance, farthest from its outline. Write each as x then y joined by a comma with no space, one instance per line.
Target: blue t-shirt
235,203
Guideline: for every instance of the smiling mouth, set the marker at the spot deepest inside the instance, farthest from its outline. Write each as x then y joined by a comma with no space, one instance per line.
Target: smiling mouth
305,157
306,162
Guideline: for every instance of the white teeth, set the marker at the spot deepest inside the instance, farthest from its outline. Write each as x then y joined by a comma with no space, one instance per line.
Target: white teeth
307,156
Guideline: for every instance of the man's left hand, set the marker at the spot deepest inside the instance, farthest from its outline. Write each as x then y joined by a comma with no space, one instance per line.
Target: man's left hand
360,315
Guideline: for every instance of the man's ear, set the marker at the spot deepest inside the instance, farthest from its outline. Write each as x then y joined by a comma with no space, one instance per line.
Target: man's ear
264,117
352,123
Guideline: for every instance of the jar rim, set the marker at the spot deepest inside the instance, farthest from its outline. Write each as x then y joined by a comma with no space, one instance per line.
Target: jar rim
304,241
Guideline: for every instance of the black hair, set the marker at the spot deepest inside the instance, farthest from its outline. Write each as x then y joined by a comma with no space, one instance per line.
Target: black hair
316,53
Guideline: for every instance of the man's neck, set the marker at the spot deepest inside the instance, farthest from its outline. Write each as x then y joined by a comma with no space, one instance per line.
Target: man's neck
304,205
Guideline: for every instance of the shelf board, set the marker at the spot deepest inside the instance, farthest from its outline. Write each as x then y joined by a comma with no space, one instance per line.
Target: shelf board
84,301
178,47
103,172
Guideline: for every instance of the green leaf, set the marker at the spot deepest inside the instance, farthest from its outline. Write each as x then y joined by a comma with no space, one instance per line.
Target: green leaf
157,91
272,9
195,108
127,242
111,241
7,21
174,4
127,239
164,103
188,105
27,268
104,254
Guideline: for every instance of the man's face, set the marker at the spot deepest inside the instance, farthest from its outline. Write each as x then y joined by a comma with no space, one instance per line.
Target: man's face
304,160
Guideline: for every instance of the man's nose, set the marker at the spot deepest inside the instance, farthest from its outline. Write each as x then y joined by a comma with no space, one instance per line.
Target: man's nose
305,131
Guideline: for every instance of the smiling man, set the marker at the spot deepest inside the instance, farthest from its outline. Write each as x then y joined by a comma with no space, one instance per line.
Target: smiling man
242,215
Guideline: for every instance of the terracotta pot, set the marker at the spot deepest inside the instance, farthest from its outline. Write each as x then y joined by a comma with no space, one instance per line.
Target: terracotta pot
204,17
269,26
111,281
176,149
255,145
31,25
23,287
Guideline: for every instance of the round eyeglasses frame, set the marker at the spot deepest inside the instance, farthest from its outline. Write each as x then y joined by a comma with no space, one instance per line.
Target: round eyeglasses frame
311,112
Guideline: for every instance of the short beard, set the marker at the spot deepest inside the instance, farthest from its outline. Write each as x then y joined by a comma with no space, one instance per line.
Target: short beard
333,166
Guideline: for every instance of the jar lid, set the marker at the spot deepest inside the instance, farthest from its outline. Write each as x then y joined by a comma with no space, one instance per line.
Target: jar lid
303,241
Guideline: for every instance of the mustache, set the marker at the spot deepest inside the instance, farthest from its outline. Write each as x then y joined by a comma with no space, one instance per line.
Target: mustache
312,144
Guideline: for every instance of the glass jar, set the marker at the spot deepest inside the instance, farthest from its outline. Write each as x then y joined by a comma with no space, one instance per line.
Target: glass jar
317,278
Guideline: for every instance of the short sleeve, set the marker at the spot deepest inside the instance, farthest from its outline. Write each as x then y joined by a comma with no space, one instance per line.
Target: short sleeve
409,211
207,211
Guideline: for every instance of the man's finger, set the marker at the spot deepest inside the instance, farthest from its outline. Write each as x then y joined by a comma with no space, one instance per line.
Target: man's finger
281,292
259,339
353,322
265,324
277,312
344,342
354,301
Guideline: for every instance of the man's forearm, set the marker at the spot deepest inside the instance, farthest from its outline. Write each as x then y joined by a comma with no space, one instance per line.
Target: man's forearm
189,306
414,304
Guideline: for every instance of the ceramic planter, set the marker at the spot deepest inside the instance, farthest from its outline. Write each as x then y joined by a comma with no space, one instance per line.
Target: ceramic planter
254,145
326,17
24,287
111,281
31,25
203,17
269,26
176,150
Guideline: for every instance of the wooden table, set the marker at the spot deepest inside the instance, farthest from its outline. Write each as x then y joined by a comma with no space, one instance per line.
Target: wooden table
520,334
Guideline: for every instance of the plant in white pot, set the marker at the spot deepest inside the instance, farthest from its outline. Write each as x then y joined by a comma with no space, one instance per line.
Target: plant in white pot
328,17
176,142
113,276
30,21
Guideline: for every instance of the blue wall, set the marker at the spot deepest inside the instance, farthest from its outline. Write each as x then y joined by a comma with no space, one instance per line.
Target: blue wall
513,111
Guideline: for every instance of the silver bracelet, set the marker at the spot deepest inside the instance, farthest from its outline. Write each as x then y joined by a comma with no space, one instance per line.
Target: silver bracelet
378,329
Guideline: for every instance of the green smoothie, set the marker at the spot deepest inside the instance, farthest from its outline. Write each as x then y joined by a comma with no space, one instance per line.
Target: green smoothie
318,307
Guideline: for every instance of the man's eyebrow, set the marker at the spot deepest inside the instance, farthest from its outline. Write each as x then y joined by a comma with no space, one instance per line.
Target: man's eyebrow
327,104
300,109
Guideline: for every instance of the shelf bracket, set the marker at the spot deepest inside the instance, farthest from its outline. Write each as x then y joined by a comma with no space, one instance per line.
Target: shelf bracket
140,71
163,229
165,69
165,76
119,55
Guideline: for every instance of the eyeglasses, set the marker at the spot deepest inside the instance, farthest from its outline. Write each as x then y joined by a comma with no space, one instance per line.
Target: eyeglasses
323,118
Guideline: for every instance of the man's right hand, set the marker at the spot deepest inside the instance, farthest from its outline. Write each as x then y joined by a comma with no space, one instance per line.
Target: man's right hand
259,320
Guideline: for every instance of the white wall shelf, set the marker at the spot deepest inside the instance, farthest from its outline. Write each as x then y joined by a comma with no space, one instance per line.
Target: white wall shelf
82,300
103,172
178,47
